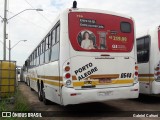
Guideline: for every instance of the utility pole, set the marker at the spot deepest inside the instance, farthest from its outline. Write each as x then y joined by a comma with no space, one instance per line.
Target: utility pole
9,50
4,29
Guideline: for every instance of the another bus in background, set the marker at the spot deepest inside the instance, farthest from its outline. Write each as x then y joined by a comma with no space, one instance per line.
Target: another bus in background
23,74
18,70
148,55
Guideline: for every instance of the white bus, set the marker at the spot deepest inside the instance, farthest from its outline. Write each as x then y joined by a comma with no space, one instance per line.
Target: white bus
87,56
148,55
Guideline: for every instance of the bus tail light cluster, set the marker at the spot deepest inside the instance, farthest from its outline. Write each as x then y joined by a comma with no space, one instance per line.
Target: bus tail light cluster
136,73
157,72
67,75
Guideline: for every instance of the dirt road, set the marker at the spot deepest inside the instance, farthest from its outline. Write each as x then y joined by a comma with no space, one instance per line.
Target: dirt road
109,108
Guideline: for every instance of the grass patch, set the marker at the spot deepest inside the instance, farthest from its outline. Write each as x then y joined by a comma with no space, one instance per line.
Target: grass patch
20,104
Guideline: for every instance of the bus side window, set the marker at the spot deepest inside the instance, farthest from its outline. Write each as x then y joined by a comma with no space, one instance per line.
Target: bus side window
53,37
58,34
47,51
37,63
31,59
55,46
35,59
42,53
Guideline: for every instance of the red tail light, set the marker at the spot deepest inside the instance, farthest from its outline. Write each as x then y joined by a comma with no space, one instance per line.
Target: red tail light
68,75
136,73
73,94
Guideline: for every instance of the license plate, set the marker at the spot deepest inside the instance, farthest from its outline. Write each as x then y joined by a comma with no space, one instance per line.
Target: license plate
105,80
87,83
105,93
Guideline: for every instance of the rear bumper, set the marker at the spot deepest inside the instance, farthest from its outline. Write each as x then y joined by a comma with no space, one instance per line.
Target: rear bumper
98,95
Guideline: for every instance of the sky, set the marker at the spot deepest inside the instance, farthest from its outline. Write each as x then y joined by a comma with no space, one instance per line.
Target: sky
32,25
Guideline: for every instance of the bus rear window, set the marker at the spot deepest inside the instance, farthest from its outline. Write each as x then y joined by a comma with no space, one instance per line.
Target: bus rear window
125,27
143,48
96,32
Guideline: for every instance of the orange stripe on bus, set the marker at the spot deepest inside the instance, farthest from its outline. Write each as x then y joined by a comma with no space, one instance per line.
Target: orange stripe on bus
146,79
126,81
51,77
146,75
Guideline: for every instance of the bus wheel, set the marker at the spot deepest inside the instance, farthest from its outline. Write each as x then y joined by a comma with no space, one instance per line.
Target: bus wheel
30,85
40,97
45,101
32,89
27,82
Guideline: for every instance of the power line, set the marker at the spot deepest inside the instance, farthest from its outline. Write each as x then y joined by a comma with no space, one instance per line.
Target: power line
38,12
28,21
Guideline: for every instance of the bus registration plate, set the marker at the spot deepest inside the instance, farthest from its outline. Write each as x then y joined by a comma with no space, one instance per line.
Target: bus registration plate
105,93
105,80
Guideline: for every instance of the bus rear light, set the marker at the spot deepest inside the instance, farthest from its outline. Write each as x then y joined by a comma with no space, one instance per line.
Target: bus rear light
136,73
68,75
136,67
156,74
73,94
156,69
67,68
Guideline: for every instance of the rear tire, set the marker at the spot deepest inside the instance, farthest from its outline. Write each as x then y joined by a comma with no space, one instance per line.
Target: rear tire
40,97
32,89
30,85
28,82
45,101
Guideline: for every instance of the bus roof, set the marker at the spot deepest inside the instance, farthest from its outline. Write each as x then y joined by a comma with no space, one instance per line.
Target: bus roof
148,31
98,11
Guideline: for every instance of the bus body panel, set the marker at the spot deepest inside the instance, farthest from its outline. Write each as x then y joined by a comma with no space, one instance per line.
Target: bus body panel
102,71
52,82
144,77
32,81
